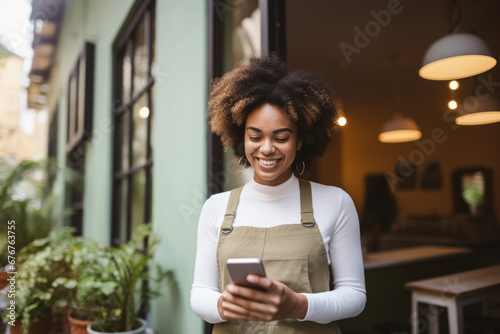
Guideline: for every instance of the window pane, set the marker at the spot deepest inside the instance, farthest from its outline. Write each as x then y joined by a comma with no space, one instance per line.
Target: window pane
140,59
125,127
133,60
126,75
241,42
123,212
242,34
140,115
139,185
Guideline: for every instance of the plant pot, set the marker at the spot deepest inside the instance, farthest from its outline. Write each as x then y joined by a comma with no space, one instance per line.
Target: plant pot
78,326
42,326
140,330
3,280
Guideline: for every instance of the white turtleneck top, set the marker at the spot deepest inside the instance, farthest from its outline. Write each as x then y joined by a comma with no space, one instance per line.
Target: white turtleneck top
268,206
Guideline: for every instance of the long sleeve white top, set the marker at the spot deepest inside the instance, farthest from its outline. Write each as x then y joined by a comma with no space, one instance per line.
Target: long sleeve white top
268,206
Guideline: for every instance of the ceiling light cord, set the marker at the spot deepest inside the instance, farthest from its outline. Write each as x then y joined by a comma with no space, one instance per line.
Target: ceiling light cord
454,15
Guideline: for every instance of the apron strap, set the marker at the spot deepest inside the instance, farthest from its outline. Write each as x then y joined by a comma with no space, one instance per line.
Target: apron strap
306,209
234,198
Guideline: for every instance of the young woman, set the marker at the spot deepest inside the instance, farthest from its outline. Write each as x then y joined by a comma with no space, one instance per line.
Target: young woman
307,234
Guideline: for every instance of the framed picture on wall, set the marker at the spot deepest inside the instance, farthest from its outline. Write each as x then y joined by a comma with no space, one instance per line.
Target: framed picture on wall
431,177
472,191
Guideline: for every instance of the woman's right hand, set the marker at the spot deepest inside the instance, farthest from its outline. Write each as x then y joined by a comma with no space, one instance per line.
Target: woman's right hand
238,303
233,307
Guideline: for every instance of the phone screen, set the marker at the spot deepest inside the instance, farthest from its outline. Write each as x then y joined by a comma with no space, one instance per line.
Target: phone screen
240,268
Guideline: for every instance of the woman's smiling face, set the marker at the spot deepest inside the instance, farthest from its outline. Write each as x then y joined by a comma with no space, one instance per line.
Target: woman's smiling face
271,144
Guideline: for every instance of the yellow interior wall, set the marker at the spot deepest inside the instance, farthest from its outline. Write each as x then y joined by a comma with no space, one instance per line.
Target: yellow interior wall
382,78
466,146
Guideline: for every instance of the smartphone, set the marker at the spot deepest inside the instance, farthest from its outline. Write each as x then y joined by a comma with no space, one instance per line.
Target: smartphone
239,269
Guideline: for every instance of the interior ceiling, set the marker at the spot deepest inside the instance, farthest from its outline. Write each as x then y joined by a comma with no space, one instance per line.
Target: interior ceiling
315,31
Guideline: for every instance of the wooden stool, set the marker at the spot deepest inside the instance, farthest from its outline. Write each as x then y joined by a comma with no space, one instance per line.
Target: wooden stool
453,292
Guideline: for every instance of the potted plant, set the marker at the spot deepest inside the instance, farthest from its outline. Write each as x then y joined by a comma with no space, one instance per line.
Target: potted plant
137,278
94,287
44,281
29,207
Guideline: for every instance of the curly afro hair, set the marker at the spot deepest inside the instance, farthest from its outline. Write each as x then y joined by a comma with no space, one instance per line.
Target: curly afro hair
306,99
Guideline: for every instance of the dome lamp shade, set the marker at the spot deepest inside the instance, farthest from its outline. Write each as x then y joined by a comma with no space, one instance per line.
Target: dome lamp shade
456,56
485,112
399,129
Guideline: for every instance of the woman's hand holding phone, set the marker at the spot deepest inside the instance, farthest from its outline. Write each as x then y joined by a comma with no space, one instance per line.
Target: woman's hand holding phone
266,300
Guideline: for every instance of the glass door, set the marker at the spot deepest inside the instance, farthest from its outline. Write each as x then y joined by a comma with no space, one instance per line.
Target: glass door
238,31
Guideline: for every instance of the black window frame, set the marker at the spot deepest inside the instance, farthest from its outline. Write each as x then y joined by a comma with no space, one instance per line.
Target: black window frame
80,106
124,43
80,109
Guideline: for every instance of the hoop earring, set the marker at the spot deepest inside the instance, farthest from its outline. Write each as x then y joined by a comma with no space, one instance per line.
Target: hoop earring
242,167
297,162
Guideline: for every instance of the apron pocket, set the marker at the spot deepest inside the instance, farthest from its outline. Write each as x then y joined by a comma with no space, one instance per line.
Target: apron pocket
291,270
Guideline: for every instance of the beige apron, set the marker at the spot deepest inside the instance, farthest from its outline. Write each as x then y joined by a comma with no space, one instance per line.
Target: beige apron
293,254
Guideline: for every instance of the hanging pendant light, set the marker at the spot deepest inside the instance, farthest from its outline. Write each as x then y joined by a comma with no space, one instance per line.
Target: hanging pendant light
399,129
484,112
456,55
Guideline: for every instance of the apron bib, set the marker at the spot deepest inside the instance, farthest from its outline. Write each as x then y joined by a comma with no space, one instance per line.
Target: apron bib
293,254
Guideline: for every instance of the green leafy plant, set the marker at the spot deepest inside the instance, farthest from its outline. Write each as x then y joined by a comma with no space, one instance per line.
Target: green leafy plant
27,197
109,285
138,279
45,281
473,189
113,285
95,285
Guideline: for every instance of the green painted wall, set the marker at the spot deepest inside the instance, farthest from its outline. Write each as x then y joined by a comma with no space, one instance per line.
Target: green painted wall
102,21
179,153
179,180
97,22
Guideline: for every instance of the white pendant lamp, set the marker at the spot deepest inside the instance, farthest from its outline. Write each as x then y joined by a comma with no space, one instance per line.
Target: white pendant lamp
399,129
456,56
483,112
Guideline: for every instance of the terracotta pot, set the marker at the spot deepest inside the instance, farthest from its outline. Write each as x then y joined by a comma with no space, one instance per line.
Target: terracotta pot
140,330
78,326
3,280
40,327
